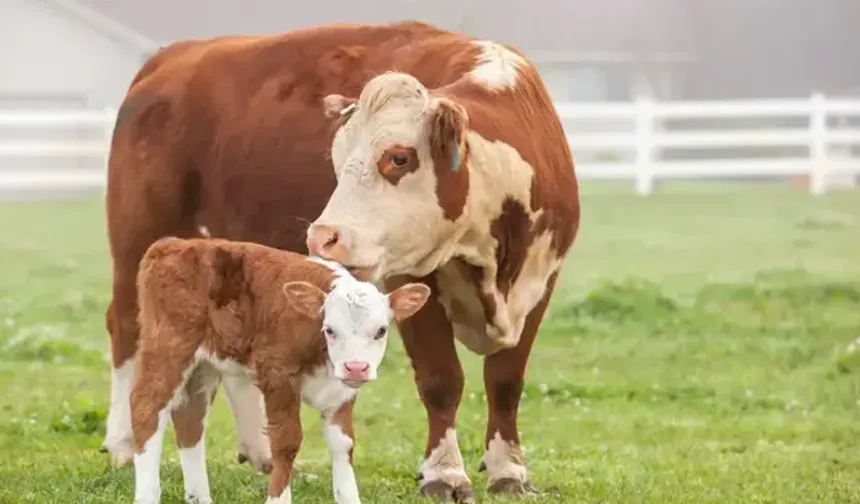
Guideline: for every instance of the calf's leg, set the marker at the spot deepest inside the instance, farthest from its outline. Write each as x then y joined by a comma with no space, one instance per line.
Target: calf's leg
340,437
283,405
246,403
504,374
189,424
429,341
156,390
147,463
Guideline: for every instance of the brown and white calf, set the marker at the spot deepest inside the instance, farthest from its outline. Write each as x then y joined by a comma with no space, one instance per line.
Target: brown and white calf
302,330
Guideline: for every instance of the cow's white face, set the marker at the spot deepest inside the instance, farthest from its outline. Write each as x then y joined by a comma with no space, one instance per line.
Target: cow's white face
355,320
398,151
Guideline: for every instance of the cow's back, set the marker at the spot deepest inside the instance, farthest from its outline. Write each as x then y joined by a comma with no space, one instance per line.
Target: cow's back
229,133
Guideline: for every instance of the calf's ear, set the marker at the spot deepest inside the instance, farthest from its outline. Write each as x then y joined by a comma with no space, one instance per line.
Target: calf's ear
305,298
335,105
408,299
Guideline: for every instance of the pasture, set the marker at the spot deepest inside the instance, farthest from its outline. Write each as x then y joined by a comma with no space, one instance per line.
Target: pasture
700,349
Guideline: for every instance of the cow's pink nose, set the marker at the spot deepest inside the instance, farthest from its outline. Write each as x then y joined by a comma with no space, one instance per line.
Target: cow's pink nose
325,242
357,370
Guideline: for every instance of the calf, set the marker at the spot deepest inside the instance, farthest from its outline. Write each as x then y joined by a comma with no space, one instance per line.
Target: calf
303,329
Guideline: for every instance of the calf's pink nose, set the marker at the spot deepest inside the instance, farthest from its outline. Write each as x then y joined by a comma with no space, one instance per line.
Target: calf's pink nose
357,370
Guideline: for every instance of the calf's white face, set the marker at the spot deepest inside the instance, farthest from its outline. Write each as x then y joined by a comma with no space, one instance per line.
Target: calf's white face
396,154
355,319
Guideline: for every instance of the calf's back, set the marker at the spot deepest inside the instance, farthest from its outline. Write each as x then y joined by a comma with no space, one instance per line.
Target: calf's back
226,299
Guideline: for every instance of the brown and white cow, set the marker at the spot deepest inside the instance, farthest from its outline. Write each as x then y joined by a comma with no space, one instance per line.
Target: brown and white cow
452,168
302,330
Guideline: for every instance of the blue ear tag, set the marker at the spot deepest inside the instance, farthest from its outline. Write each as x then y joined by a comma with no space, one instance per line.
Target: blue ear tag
455,158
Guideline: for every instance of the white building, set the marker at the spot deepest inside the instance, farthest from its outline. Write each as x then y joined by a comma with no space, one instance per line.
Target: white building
60,53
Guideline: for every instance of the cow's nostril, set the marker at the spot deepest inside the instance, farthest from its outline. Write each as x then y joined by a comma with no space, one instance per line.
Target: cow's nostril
330,238
323,240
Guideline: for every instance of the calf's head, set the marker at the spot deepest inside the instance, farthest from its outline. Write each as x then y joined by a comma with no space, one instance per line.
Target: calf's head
355,318
402,180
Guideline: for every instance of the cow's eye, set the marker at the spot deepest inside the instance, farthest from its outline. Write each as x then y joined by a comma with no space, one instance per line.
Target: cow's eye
381,333
399,159
329,332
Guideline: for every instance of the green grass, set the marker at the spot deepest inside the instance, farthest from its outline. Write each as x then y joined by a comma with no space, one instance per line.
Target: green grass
700,349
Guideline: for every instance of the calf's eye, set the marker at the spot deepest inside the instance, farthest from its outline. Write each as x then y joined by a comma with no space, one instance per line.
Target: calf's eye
381,333
329,332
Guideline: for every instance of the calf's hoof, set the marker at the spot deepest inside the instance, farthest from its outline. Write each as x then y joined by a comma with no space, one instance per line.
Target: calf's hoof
443,492
193,499
263,465
513,487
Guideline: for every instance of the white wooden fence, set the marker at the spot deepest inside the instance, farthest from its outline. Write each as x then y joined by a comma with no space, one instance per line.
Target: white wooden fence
66,121
824,141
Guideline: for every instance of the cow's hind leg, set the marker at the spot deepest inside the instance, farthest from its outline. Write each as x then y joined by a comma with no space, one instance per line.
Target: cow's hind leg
504,374
429,341
118,435
189,423
149,196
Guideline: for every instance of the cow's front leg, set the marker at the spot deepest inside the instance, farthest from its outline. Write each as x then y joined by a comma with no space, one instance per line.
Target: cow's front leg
283,405
246,403
504,374
340,437
429,341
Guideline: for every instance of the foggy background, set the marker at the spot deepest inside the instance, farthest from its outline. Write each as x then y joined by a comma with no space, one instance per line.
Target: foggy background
82,54
588,50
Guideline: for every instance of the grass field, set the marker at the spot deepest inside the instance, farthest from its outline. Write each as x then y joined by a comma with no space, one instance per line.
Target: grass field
700,349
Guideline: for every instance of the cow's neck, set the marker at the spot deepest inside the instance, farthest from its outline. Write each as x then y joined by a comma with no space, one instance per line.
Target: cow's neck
499,183
502,259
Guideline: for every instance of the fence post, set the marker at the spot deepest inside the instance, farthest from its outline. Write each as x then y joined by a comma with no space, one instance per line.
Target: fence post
110,118
818,144
644,146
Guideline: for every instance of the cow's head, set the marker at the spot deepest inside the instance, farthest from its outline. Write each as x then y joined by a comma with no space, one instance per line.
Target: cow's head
402,180
355,319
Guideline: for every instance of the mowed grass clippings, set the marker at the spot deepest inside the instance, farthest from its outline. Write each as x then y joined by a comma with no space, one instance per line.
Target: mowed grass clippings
702,347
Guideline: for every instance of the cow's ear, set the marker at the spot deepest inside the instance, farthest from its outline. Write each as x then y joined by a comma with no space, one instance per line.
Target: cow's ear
448,126
335,105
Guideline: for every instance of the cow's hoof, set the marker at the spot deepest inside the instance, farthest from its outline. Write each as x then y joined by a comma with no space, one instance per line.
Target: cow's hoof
441,491
263,465
121,453
514,487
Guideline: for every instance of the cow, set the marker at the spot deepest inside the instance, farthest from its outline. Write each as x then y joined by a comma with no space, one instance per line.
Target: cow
300,329
403,151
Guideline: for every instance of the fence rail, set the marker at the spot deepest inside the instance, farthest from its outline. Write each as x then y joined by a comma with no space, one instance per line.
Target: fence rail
822,141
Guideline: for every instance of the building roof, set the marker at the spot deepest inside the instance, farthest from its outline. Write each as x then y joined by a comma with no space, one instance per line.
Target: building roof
548,26
117,31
